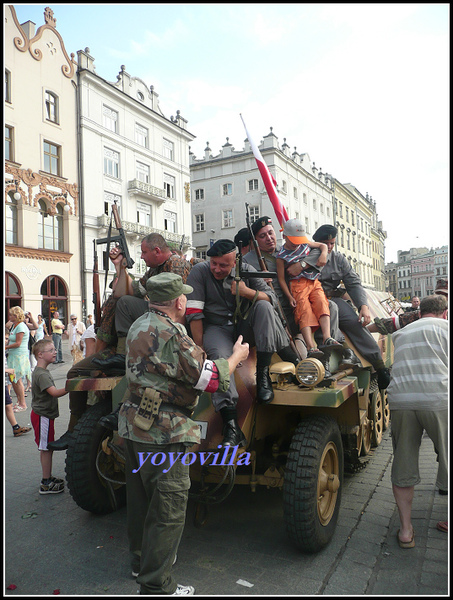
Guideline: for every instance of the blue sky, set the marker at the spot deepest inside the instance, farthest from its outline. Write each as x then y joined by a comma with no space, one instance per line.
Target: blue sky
362,88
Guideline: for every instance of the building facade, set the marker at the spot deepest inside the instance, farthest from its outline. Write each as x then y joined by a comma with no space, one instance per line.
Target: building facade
133,156
222,185
42,211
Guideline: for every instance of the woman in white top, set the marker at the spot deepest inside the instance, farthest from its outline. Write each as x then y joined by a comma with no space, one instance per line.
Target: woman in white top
18,354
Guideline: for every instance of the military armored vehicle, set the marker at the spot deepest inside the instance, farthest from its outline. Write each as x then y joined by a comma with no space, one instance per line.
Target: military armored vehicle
301,442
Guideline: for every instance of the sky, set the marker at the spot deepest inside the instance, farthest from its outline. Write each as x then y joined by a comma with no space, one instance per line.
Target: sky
362,88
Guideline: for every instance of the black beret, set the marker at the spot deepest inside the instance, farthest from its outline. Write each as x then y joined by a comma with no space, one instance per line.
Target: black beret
260,223
325,232
221,247
243,235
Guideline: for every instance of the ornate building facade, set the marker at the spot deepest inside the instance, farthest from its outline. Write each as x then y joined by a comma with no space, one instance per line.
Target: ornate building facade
42,258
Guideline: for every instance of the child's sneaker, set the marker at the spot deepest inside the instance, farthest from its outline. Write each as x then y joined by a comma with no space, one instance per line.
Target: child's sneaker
21,431
53,487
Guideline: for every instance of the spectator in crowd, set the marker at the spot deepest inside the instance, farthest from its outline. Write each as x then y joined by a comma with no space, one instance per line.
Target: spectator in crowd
57,333
415,304
9,412
41,331
18,354
88,341
418,402
75,330
44,412
90,321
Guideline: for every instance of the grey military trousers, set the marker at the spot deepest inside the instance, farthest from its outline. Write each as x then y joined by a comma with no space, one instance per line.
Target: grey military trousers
262,329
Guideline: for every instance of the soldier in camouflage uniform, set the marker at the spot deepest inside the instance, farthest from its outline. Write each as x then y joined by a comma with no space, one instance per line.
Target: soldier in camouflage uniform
163,363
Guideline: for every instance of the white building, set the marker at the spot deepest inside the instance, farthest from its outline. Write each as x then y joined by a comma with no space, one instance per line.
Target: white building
42,258
221,186
133,155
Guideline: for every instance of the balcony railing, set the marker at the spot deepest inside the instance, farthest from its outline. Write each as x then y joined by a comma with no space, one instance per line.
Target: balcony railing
143,230
135,186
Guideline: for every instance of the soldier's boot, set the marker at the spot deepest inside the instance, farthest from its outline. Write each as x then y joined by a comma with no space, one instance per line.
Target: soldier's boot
264,391
232,434
350,359
115,362
63,442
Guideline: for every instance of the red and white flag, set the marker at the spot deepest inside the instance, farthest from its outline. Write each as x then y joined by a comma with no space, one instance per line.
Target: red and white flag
269,182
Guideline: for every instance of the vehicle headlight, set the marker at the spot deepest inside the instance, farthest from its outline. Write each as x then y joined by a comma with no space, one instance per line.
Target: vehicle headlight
310,372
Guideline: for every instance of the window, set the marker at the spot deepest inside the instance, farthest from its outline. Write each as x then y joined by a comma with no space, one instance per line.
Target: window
140,265
254,213
110,199
169,186
284,187
321,208
314,203
199,222
51,104
347,214
52,158
9,139
111,163
7,86
50,227
141,135
327,211
252,185
305,198
227,189
168,148
227,218
143,214
170,221
110,119
295,193
142,172
199,194
200,254
11,219
140,96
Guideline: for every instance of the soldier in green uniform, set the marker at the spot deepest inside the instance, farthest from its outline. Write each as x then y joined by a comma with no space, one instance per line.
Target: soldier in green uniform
166,372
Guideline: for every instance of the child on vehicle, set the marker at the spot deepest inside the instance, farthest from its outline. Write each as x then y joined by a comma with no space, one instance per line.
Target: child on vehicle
305,294
44,412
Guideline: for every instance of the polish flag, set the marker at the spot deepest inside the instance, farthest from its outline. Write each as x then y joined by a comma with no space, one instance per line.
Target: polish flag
269,182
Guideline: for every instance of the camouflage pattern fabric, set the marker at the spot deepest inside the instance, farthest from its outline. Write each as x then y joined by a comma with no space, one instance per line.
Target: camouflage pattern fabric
398,322
162,356
175,264
106,330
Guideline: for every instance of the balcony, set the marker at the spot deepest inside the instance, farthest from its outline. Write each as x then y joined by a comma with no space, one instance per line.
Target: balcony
135,187
140,231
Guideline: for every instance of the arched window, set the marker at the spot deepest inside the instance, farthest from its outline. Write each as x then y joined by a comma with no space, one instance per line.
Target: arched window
13,294
54,297
50,228
11,219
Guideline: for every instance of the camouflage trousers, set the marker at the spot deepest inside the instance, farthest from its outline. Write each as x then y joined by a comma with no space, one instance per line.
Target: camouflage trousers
156,512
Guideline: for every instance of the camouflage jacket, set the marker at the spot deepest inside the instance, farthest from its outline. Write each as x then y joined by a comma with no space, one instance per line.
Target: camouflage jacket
162,356
175,264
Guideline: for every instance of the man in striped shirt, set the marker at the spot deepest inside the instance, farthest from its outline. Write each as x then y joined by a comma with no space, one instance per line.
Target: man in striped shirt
418,400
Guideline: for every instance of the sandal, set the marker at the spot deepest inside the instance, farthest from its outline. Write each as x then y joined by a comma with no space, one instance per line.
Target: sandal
442,526
19,408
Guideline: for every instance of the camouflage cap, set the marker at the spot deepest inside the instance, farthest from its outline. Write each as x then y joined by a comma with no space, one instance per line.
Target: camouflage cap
166,286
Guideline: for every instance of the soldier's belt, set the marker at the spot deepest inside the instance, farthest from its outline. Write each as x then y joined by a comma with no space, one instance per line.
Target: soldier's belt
149,406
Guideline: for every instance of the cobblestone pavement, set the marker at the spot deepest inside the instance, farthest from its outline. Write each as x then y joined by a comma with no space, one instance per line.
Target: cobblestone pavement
51,544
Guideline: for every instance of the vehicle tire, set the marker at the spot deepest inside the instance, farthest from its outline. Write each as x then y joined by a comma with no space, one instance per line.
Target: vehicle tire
313,483
376,414
89,490
367,433
385,410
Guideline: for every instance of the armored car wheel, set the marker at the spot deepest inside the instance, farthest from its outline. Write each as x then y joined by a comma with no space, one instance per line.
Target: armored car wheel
385,410
90,473
313,483
376,414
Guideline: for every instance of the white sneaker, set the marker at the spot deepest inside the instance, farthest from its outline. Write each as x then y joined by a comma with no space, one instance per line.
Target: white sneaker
184,590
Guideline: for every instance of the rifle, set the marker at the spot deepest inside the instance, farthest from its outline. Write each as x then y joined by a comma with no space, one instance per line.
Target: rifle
263,267
96,290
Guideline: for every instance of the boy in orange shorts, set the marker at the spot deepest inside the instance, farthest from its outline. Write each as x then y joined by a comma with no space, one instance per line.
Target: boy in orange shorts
305,294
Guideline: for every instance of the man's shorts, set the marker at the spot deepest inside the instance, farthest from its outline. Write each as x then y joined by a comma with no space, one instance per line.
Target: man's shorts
407,427
44,429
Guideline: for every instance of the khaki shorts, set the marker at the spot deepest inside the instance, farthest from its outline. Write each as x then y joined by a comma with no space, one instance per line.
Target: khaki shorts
407,432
